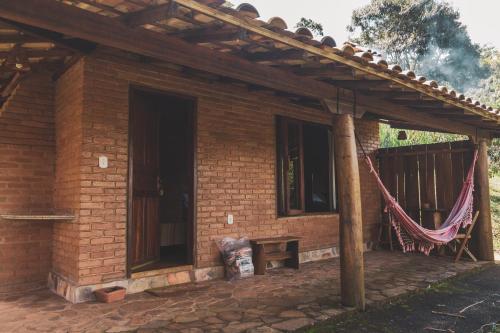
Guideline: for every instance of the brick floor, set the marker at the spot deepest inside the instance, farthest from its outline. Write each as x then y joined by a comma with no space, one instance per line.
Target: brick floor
282,300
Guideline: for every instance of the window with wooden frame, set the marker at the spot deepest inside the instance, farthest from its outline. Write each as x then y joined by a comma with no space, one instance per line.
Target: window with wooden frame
305,168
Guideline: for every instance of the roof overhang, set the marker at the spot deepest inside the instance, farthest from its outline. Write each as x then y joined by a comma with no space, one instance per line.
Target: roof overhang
233,43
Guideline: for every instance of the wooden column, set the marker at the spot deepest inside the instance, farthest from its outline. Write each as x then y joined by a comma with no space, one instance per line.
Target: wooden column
351,225
484,232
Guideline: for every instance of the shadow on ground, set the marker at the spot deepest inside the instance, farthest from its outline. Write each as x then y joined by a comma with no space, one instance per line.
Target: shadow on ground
415,313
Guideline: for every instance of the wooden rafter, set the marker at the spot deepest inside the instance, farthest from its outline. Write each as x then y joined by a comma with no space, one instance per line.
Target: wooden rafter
112,32
277,55
18,38
43,35
361,84
81,24
41,53
151,15
320,73
281,38
215,35
7,91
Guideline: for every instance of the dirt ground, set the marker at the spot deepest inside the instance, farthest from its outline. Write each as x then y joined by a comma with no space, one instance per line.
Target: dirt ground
418,312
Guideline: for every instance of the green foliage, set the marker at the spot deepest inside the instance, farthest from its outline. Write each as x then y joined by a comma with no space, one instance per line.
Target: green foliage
315,27
495,209
488,91
389,137
422,35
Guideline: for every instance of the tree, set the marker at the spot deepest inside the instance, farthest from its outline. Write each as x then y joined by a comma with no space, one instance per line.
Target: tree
316,28
422,35
488,91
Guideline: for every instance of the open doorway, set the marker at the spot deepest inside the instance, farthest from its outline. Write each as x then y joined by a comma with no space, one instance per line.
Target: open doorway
161,173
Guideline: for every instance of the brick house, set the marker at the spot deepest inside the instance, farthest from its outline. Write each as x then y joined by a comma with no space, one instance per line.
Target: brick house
131,137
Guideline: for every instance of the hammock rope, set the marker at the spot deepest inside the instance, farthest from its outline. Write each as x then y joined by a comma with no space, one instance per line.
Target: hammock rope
411,235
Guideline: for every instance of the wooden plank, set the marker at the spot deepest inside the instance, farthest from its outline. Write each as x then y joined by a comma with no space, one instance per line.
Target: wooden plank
79,23
422,174
236,21
444,185
400,172
411,187
431,180
458,170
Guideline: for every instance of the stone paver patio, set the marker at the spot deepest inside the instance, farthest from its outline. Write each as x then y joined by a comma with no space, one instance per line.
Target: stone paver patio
282,300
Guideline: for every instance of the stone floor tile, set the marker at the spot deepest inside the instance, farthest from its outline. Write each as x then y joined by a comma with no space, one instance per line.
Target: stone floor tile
282,300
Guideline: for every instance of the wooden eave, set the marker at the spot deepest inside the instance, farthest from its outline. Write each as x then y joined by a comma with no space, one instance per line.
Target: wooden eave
234,43
24,49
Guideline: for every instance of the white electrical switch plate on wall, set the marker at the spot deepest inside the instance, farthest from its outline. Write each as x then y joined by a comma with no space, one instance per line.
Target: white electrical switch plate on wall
103,162
230,219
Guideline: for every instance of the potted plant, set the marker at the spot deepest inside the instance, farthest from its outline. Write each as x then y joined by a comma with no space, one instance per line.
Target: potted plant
109,295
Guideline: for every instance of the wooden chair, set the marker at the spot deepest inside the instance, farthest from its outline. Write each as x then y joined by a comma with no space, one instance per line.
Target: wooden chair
460,244
385,226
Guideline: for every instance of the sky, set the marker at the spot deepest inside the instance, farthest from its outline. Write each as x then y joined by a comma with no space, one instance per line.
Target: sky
480,16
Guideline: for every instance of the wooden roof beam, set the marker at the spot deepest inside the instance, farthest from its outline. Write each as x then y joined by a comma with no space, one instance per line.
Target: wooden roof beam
75,45
393,111
78,23
150,15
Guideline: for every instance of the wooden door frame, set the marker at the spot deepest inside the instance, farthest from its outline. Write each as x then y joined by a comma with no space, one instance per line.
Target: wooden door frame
133,89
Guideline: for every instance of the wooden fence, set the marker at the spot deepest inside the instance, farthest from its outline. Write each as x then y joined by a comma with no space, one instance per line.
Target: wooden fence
426,177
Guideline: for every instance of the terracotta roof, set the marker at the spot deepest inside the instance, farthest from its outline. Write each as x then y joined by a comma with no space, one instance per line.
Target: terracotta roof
239,31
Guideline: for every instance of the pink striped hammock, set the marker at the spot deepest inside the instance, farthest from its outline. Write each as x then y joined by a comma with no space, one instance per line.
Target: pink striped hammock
412,235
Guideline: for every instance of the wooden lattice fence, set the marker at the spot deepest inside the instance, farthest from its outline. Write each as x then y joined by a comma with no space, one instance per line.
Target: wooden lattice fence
426,177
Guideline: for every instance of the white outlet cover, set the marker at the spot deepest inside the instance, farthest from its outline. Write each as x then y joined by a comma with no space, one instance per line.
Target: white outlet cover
103,162
230,219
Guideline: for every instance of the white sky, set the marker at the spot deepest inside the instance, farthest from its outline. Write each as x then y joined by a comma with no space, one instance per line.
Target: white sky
480,16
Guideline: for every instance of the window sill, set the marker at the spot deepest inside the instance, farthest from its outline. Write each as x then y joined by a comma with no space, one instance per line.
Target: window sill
309,215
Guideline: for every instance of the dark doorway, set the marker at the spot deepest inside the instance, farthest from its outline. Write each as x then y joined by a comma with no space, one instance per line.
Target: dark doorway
161,181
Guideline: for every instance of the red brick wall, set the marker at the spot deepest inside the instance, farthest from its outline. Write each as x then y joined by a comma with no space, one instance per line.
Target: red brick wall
26,183
68,181
235,165
103,191
368,132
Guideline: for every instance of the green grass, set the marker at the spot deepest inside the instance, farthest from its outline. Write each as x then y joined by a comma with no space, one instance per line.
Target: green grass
495,210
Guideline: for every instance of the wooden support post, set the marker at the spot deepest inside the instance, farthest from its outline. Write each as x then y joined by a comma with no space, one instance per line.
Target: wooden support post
484,233
351,225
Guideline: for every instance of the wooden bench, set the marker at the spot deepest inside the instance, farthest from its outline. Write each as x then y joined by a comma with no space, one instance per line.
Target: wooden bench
275,249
